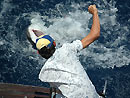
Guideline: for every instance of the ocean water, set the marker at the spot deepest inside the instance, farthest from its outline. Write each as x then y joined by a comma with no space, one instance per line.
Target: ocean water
108,58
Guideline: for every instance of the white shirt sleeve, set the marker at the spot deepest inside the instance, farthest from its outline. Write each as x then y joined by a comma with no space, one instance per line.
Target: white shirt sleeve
76,46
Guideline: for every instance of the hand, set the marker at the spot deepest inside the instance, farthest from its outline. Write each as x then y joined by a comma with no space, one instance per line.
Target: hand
92,9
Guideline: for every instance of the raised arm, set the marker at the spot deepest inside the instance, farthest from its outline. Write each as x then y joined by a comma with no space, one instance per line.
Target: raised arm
95,29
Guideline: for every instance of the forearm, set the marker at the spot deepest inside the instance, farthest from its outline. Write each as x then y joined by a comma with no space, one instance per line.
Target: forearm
95,29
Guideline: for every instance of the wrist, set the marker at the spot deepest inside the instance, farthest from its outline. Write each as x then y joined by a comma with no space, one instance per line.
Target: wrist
95,13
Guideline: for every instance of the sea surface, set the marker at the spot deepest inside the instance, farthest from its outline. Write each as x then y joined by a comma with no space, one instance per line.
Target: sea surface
108,58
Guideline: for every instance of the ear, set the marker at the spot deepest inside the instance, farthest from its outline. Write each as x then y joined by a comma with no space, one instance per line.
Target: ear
54,43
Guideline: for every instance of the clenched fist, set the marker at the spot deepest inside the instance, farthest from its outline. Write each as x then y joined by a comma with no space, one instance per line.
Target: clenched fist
92,9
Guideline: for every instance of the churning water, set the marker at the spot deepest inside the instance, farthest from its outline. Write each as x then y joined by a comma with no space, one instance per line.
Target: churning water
66,21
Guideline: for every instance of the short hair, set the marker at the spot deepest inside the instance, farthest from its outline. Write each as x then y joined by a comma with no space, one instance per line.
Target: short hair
46,52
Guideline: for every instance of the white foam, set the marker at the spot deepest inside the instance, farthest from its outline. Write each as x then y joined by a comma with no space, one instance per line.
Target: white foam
66,28
74,25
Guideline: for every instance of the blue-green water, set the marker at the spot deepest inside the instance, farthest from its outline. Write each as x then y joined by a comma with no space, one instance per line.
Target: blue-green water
106,59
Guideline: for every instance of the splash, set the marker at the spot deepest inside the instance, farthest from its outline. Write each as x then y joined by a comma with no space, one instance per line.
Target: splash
74,23
68,22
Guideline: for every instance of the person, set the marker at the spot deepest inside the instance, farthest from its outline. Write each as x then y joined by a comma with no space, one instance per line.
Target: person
63,69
